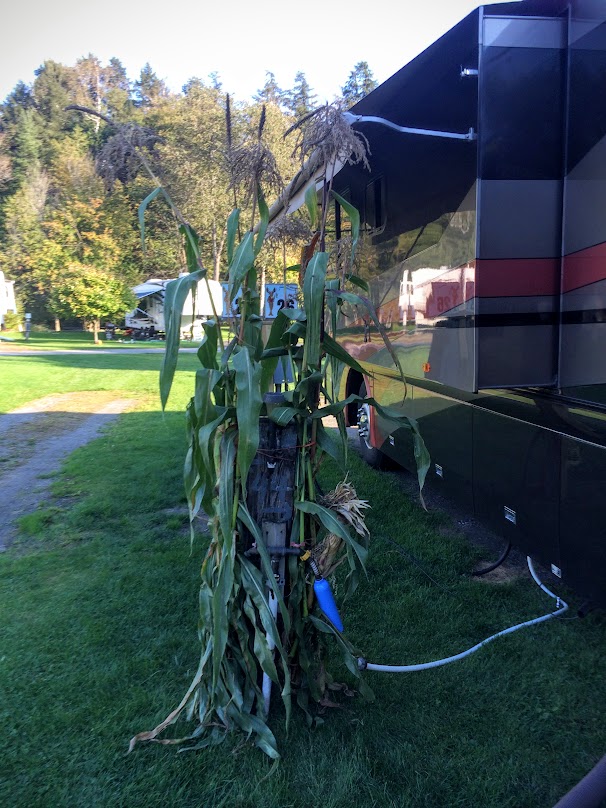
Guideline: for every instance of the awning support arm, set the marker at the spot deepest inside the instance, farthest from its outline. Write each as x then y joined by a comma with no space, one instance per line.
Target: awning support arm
407,130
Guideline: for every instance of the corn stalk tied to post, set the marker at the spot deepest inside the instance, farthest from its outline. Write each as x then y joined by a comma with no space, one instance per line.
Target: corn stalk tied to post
242,638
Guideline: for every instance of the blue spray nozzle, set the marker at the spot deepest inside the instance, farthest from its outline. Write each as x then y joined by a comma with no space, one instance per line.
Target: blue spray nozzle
326,602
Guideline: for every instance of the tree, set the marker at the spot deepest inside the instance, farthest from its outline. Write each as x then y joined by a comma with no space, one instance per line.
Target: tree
360,82
55,87
301,99
194,161
73,169
5,162
117,97
19,99
270,93
26,143
90,75
90,294
149,89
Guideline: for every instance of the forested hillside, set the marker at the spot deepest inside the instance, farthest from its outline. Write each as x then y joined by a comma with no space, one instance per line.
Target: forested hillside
71,183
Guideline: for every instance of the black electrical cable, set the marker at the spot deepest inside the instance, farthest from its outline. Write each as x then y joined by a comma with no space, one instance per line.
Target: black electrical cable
407,554
496,564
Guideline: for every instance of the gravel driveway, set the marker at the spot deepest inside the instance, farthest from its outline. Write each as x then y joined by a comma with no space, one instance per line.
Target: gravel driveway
36,438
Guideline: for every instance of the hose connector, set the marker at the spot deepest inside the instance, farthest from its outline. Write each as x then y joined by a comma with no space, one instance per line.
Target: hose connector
362,663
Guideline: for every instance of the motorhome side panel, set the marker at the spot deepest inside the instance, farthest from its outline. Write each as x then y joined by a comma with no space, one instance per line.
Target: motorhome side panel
467,270
520,130
582,355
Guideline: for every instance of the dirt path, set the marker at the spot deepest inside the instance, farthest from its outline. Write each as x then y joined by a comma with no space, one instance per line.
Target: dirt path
36,438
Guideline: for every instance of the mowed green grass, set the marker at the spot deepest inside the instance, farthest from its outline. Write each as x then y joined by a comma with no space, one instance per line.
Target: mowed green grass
82,340
98,608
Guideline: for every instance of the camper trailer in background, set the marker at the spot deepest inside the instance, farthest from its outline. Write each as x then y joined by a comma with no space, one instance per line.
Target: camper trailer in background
486,259
8,304
277,296
147,320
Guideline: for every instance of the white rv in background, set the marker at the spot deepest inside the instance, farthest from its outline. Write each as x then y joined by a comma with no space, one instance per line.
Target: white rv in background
147,320
8,304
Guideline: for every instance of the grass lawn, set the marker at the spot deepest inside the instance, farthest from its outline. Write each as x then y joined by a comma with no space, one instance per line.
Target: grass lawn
80,340
99,612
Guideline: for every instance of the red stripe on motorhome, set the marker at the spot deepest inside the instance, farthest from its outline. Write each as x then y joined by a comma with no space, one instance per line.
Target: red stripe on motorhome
517,277
584,267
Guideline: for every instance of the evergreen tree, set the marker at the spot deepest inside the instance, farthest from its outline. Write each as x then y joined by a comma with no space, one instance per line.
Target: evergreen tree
270,93
192,85
26,144
215,80
301,99
20,98
5,162
54,88
117,95
149,89
360,82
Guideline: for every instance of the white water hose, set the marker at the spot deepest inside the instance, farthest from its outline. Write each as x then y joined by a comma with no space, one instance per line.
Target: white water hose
561,607
266,687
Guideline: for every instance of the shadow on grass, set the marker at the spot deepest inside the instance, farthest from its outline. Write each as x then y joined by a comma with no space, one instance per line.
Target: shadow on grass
100,642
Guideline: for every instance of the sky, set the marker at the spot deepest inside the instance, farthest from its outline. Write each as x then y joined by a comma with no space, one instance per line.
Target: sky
240,40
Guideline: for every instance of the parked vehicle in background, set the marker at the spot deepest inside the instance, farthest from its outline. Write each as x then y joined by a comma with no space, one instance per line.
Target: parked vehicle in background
8,304
485,252
147,320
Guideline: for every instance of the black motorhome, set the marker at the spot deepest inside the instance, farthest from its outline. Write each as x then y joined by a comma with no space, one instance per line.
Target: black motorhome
485,251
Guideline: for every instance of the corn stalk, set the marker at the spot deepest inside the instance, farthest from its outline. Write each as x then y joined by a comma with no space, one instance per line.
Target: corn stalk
241,639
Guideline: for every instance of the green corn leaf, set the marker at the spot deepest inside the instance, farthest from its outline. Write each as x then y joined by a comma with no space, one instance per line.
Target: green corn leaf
313,296
263,221
248,409
230,678
253,338
206,435
227,486
192,247
311,203
332,303
261,648
297,330
334,525
207,352
310,381
273,353
246,518
333,348
205,408
263,736
422,457
294,314
359,282
333,448
174,300
221,595
253,584
241,264
142,208
232,230
336,406
350,654
283,415
226,355
354,218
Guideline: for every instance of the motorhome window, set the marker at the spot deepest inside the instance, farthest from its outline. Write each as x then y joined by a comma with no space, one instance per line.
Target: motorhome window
374,206
426,252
